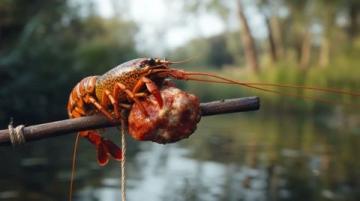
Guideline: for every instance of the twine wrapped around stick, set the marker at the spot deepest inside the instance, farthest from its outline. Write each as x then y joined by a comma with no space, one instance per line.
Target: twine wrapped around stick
16,135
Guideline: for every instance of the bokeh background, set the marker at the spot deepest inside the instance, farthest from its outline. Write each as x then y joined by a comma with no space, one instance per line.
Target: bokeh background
292,149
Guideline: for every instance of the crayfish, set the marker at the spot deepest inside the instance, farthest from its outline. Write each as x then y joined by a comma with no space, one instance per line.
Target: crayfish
127,84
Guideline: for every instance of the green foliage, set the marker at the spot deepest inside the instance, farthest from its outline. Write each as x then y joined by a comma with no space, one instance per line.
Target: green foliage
212,51
316,50
198,48
48,49
110,42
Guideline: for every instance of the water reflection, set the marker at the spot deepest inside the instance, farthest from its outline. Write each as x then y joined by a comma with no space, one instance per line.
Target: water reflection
234,157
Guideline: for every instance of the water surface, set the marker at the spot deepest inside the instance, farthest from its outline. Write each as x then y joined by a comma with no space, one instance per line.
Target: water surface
230,157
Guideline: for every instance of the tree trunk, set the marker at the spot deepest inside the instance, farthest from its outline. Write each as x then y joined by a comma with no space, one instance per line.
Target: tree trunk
248,40
305,50
275,24
324,52
327,36
273,50
273,27
354,19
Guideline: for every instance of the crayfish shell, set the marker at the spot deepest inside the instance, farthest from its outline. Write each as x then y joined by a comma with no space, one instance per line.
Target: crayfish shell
176,120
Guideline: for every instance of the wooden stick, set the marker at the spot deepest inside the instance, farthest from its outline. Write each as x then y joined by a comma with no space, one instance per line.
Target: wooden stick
68,126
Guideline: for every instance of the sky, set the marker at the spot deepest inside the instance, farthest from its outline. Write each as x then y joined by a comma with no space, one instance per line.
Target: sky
163,25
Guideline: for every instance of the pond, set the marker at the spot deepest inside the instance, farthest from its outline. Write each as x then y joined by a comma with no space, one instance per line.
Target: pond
235,157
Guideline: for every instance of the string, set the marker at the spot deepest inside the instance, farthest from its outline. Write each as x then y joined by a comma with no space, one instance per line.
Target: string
123,161
73,166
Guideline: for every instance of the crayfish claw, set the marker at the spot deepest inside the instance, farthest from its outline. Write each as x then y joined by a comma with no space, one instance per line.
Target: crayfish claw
113,149
102,154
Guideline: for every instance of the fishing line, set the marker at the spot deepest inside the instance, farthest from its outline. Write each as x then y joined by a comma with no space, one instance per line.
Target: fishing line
73,166
123,161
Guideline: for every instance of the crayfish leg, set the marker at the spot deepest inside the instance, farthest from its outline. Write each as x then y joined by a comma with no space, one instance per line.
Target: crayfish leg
119,87
108,98
102,154
100,107
151,87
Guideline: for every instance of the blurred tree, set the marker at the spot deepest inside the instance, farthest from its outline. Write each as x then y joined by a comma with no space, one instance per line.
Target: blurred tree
105,43
353,10
327,17
46,48
219,54
248,40
212,51
270,12
300,30
299,33
222,9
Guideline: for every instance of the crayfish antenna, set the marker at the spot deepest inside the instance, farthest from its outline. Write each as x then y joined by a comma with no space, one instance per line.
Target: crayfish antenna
197,76
230,81
182,61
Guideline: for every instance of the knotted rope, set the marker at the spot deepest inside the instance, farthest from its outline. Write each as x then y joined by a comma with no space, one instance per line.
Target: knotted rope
16,134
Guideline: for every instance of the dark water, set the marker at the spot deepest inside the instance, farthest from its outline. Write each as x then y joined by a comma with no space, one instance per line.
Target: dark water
230,157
